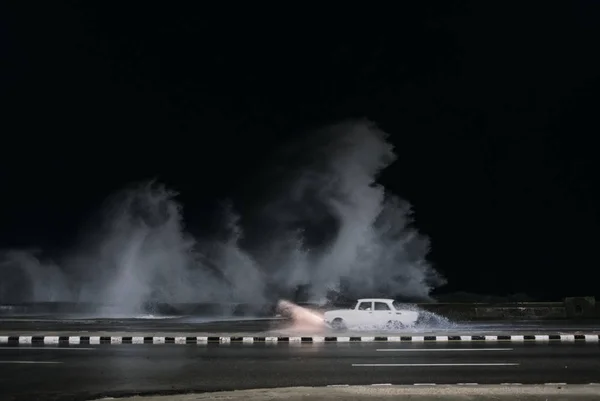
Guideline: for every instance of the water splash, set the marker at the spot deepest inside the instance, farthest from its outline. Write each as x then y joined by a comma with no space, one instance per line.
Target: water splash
354,237
302,320
333,229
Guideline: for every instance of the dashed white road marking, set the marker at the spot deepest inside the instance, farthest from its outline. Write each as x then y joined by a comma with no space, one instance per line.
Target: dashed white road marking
51,340
30,362
430,364
442,349
25,340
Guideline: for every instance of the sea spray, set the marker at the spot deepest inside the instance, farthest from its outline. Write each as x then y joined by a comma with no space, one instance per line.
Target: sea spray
332,228
351,231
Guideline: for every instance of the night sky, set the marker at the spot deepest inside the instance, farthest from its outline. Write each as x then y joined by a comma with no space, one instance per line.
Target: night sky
493,112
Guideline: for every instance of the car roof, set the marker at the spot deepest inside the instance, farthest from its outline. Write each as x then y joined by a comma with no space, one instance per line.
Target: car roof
375,300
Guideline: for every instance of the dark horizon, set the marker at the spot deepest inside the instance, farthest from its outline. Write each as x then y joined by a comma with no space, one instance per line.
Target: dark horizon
490,111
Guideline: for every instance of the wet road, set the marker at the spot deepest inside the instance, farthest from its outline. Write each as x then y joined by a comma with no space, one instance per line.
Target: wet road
48,325
28,324
84,372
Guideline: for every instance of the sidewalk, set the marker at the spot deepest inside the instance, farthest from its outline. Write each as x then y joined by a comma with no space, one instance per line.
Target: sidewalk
425,393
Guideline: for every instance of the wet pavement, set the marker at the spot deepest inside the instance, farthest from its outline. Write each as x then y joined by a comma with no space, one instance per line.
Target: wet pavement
271,326
94,371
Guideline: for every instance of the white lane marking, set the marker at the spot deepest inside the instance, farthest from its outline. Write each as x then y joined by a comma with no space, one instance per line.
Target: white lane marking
30,362
51,340
424,384
431,364
467,384
50,348
555,384
442,349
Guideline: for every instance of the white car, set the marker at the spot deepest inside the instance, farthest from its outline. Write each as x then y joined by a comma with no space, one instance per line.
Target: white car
374,312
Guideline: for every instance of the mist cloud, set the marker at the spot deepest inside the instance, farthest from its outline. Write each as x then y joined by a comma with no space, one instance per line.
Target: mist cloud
331,227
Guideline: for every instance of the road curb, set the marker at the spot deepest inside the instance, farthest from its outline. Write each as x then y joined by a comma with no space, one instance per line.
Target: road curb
76,340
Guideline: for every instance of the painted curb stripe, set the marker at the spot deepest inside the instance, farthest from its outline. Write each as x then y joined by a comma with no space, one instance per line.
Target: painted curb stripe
115,340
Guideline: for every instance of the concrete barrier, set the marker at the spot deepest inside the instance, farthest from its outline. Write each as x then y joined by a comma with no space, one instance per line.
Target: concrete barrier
581,307
521,311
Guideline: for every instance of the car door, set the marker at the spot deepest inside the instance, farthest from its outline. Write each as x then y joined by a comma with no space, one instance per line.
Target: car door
382,313
364,313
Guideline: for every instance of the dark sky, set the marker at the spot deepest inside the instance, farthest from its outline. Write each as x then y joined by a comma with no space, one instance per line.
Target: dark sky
493,112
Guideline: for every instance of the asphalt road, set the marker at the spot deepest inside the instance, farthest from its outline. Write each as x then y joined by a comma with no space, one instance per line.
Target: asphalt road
30,325
72,373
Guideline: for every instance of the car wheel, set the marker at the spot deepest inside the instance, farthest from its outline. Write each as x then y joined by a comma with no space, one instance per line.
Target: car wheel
338,324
